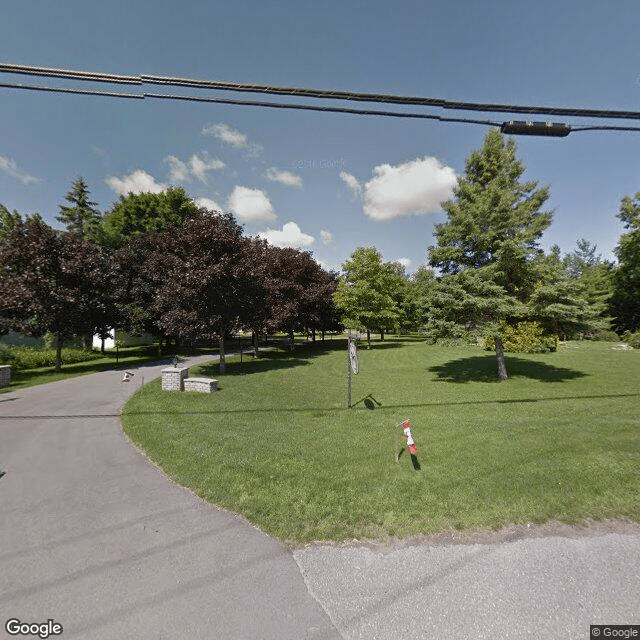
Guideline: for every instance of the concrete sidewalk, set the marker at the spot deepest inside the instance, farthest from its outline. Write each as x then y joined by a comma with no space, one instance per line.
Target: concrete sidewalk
96,538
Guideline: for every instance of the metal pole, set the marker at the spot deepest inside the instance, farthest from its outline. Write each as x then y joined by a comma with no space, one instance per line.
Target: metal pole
349,371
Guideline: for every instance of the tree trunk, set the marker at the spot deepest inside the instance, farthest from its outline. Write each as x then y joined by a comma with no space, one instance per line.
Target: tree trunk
254,339
368,339
313,336
502,367
58,353
223,364
381,335
101,345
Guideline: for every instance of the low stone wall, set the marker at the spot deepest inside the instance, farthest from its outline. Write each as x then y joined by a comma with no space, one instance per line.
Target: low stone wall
173,378
5,375
203,385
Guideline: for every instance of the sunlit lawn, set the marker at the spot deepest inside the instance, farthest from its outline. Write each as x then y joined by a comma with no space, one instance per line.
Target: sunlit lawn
559,440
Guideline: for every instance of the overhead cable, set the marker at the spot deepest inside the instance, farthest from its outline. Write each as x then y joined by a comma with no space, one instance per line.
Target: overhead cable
71,74
505,126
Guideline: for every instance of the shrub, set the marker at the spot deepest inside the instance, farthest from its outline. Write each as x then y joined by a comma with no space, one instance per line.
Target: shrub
525,337
632,339
605,335
34,357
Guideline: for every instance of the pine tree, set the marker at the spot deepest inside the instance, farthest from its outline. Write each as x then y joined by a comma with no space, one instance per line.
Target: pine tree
489,256
625,305
82,217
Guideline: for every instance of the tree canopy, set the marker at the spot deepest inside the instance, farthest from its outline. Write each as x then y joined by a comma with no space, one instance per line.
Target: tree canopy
626,296
52,282
138,213
367,293
81,217
488,251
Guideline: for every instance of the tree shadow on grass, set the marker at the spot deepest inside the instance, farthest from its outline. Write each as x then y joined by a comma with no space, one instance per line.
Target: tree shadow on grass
270,361
484,369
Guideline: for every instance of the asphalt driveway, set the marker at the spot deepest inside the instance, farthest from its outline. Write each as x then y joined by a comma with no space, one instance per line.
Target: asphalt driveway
97,539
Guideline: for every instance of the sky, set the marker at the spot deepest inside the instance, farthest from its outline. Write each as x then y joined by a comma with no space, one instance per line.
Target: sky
322,182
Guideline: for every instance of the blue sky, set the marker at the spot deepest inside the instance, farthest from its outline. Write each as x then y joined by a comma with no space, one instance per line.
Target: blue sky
326,182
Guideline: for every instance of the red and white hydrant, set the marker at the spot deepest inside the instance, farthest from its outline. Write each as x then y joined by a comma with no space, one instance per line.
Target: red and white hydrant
411,445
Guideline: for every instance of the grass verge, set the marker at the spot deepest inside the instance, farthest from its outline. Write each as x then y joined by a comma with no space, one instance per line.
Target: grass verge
559,440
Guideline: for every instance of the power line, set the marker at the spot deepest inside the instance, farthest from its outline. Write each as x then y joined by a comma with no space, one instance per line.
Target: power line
251,103
83,92
527,128
316,93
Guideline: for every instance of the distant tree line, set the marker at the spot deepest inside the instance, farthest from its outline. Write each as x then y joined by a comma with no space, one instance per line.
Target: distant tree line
157,264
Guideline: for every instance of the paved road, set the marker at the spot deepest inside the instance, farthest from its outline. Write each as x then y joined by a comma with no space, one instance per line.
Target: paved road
99,540
547,588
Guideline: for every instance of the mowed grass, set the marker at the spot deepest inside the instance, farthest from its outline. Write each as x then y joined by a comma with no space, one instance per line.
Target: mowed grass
559,440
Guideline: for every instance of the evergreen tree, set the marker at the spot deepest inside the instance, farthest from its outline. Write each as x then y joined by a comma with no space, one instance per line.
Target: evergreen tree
489,255
594,279
9,220
625,303
81,217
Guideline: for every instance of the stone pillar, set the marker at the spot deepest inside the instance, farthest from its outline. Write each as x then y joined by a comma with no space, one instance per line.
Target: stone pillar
173,378
5,375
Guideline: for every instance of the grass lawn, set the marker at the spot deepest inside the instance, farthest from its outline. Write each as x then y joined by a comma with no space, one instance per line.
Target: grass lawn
559,440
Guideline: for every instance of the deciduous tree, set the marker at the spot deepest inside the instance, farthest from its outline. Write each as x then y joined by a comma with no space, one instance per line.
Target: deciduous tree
139,213
365,293
52,282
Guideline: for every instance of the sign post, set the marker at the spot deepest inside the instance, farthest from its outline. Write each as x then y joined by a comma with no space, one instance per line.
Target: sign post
352,363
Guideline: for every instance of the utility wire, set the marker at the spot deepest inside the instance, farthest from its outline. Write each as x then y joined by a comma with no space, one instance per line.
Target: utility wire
251,103
84,92
281,105
316,93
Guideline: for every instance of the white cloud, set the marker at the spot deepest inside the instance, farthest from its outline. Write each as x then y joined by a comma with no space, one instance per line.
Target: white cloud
179,170
284,177
405,262
326,236
233,137
226,134
197,166
289,236
208,203
416,187
11,168
352,182
250,205
137,182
